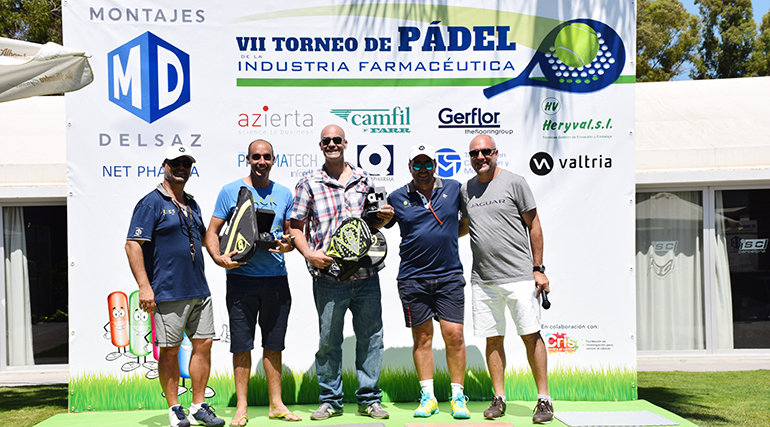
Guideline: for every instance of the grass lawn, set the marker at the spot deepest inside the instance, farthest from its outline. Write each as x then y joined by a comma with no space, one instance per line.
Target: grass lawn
740,398
26,406
705,398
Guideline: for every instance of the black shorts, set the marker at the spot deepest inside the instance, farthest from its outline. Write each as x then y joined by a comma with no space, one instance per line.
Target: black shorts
440,298
250,297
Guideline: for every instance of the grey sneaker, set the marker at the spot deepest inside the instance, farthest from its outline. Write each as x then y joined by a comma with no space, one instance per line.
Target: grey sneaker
496,409
324,412
177,417
543,412
375,411
206,416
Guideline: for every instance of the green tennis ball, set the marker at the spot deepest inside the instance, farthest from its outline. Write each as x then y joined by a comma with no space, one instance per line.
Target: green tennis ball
576,45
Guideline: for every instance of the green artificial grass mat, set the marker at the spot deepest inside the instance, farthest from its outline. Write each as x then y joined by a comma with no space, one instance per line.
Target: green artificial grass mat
519,413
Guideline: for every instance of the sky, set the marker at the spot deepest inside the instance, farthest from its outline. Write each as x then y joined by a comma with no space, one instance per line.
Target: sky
761,7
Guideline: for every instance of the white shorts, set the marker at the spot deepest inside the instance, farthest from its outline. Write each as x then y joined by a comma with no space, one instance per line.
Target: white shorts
489,302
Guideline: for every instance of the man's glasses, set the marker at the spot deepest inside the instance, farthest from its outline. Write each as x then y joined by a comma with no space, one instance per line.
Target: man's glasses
187,163
485,151
337,140
257,156
419,165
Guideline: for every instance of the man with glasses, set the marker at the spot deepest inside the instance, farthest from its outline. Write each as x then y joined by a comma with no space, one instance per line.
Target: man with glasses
508,270
258,287
322,201
430,277
164,252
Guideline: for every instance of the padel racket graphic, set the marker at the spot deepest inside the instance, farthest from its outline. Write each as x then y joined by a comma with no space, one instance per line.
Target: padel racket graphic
598,72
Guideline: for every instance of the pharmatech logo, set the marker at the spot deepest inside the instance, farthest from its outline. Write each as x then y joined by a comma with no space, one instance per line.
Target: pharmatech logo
449,162
377,159
149,77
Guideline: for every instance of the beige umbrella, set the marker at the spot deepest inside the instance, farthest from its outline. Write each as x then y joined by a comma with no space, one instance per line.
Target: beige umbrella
30,69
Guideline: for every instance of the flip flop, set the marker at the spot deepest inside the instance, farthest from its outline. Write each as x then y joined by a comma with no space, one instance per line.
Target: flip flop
238,422
286,414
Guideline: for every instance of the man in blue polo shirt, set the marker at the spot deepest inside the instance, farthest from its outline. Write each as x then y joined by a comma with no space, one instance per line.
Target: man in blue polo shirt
164,252
430,277
258,287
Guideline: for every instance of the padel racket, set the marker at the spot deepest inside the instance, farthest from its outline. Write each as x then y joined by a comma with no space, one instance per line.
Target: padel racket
602,71
353,246
240,232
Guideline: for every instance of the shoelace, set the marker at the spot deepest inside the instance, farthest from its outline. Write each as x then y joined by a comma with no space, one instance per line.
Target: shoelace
461,401
541,405
179,411
424,398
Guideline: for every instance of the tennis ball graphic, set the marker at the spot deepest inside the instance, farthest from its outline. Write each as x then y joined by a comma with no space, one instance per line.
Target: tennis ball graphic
576,45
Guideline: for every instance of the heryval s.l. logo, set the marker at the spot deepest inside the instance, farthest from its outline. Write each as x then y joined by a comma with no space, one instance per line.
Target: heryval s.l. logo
148,77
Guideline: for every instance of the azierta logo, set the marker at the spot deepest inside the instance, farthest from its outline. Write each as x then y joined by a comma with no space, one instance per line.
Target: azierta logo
149,77
377,120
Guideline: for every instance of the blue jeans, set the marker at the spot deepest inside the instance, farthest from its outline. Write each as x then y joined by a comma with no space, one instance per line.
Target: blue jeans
332,300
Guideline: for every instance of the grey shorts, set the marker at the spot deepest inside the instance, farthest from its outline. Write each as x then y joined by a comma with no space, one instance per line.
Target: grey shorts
173,319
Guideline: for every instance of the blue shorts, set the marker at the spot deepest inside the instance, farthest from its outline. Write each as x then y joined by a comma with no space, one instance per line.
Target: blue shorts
250,297
440,298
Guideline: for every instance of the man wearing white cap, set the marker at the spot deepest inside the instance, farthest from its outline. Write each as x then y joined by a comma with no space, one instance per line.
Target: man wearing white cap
164,251
430,277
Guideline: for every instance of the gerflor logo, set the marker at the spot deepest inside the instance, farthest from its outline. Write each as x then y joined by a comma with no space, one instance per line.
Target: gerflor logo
148,77
377,120
542,163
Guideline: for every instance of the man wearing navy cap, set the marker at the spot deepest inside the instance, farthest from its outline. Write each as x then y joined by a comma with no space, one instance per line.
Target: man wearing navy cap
164,252
430,277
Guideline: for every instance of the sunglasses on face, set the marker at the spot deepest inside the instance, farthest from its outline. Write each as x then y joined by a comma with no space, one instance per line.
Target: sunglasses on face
187,163
485,151
419,165
257,156
337,140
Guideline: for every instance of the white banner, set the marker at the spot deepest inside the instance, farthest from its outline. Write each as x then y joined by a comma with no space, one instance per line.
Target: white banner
215,77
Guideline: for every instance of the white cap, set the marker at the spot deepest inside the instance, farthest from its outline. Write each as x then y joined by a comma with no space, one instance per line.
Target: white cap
177,151
419,149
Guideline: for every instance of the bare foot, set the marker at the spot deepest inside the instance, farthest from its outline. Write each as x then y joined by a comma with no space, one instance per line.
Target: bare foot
282,412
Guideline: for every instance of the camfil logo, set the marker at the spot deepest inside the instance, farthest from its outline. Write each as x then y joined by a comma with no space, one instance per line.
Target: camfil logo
149,77
377,120
449,162
377,159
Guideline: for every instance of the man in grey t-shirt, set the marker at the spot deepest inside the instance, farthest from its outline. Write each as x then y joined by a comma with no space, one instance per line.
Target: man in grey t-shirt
506,241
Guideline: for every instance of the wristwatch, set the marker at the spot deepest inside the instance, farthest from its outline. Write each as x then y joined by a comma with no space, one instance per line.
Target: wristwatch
540,268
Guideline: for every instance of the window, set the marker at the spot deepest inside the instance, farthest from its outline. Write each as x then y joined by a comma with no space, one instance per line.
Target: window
669,271
36,287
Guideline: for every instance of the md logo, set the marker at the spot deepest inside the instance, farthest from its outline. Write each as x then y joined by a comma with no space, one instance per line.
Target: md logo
148,77
376,159
449,162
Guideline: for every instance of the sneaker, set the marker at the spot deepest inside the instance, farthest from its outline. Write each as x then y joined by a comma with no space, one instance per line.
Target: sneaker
543,412
375,411
459,409
428,406
206,416
324,412
496,409
177,417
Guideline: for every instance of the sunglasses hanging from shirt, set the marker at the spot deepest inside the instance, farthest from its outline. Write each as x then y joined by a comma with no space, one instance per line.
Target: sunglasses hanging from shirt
247,230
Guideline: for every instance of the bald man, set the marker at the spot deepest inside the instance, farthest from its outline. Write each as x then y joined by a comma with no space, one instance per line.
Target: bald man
322,201
508,270
258,288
